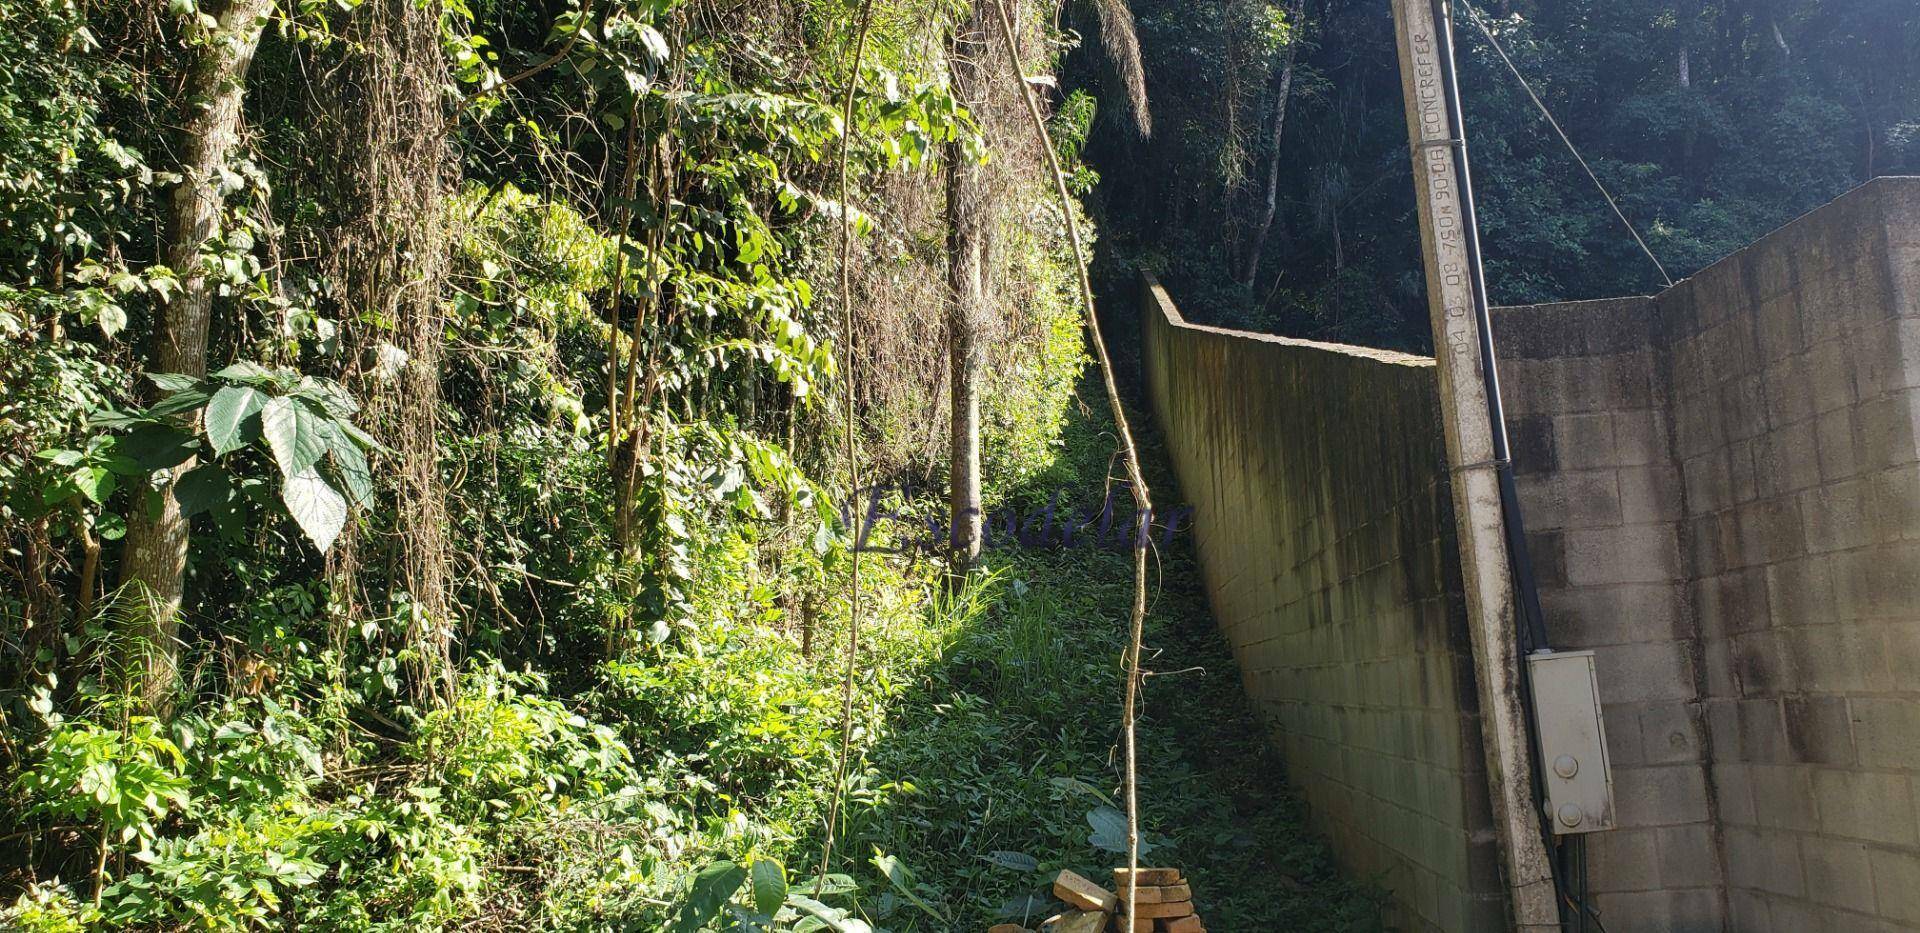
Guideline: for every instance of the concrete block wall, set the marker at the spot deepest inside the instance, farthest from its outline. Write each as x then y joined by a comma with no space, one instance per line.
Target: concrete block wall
1588,406
1795,367
1722,490
1742,552
1323,524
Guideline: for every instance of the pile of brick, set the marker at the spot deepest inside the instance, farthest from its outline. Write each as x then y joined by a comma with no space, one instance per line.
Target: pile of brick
1162,903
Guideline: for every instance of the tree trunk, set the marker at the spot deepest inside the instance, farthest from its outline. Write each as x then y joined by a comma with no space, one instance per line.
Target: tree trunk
89,573
1339,252
968,303
1280,96
40,613
643,351
411,174
390,253
1688,15
620,402
156,548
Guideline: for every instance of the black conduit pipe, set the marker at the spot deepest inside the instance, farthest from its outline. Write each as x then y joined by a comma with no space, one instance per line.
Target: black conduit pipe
1531,632
1533,629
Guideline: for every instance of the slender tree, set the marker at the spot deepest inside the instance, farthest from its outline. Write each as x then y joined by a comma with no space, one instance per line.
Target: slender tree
1282,93
396,256
221,48
973,61
969,303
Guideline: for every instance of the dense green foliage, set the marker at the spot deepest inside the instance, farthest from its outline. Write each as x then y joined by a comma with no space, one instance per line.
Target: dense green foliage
1712,122
611,691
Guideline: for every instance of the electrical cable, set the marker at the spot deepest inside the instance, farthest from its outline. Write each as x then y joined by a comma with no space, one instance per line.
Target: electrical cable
1517,76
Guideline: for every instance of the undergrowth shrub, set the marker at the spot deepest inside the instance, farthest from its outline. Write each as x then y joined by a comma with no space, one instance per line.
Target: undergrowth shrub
239,817
503,751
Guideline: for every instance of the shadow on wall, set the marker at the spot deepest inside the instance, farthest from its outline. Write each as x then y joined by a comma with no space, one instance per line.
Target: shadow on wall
1722,488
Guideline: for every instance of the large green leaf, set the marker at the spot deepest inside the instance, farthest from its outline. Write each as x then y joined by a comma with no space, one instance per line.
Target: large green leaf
184,400
328,396
252,374
351,464
712,889
58,457
296,433
94,482
769,886
315,507
365,440
1110,830
173,382
227,416
1018,861
155,446
202,488
112,419
112,318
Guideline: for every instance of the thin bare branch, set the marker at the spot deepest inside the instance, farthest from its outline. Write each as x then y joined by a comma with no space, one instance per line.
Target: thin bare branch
1130,454
852,450
566,48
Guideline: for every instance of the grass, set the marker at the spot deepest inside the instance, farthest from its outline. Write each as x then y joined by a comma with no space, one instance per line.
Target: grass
982,778
987,724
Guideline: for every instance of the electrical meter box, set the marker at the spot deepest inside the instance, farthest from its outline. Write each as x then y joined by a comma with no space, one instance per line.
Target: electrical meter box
1573,741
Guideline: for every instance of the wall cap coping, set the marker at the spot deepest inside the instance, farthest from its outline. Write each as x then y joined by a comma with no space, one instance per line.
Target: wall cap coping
1372,354
1870,189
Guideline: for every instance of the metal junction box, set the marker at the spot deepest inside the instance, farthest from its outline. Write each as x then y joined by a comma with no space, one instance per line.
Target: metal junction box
1573,741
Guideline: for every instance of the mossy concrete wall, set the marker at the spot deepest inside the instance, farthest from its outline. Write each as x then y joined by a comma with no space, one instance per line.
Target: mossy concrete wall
1722,489
1323,522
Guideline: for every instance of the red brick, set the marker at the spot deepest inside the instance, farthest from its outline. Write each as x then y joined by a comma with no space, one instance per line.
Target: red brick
1148,876
1168,909
1082,893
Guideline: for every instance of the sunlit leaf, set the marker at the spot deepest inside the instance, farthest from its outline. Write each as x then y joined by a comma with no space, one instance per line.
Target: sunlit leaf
294,433
111,320
315,506
94,482
227,413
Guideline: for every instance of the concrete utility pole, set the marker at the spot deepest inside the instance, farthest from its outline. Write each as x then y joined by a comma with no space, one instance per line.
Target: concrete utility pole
1439,153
